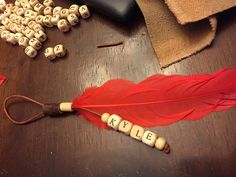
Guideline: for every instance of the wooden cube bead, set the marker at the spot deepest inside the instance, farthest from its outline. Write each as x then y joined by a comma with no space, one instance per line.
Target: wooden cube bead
64,13
33,2
39,19
48,3
7,12
149,138
59,50
14,9
55,19
31,24
57,10
23,42
18,19
2,28
27,7
29,33
73,19
49,53
35,43
39,8
5,22
33,15
31,52
20,12
63,25
105,117
125,127
2,16
137,132
4,34
48,10
114,121
74,9
37,27
17,36
160,143
20,28
25,21
84,12
28,12
12,17
11,39
47,21
17,3
2,6
23,2
41,36
9,5
12,27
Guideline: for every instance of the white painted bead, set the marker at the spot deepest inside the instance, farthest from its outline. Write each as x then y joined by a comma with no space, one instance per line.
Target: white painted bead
74,9
64,13
35,43
59,50
39,8
63,25
49,54
105,117
29,33
23,41
149,138
55,19
47,21
48,10
37,27
31,24
30,51
48,3
20,12
41,36
73,19
27,7
114,121
11,39
17,36
4,34
25,21
18,19
33,15
12,27
137,132
39,19
33,2
125,127
66,107
57,10
2,28
160,143
17,3
84,12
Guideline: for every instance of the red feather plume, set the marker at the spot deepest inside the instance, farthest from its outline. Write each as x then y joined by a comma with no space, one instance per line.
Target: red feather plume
2,79
160,99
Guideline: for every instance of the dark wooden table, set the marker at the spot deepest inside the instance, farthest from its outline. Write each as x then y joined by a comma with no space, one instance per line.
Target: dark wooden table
72,147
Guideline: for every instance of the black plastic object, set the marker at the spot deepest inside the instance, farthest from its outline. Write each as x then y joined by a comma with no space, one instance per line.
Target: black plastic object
118,10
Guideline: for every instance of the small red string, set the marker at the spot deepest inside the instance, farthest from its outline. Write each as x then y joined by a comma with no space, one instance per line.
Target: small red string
27,120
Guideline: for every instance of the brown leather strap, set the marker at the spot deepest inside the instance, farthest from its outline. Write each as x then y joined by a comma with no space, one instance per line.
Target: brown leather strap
47,110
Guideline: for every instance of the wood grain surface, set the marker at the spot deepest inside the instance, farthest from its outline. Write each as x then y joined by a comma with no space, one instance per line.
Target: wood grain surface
71,146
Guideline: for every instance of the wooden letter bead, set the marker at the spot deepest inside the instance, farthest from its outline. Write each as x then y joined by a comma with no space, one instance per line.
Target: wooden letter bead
57,10
47,21
9,5
6,22
59,50
74,9
2,28
27,7
30,51
48,10
160,143
17,36
12,17
23,2
2,6
20,28
41,36
149,138
20,12
27,13
55,19
63,25
49,53
73,19
31,24
14,9
7,12
48,3
39,19
17,3
84,11
39,8
37,27
11,39
12,27
35,43
29,33
2,16
137,132
114,121
4,34
25,21
125,127
33,2
64,13
23,42
18,19
105,117
33,15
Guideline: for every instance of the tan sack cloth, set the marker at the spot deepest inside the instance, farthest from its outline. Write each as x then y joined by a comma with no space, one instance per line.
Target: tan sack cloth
174,41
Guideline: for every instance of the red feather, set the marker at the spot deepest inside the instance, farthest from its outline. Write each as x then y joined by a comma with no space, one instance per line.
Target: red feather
2,79
160,99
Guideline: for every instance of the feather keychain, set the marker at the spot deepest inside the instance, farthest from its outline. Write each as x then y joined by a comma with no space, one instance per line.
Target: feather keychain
157,101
